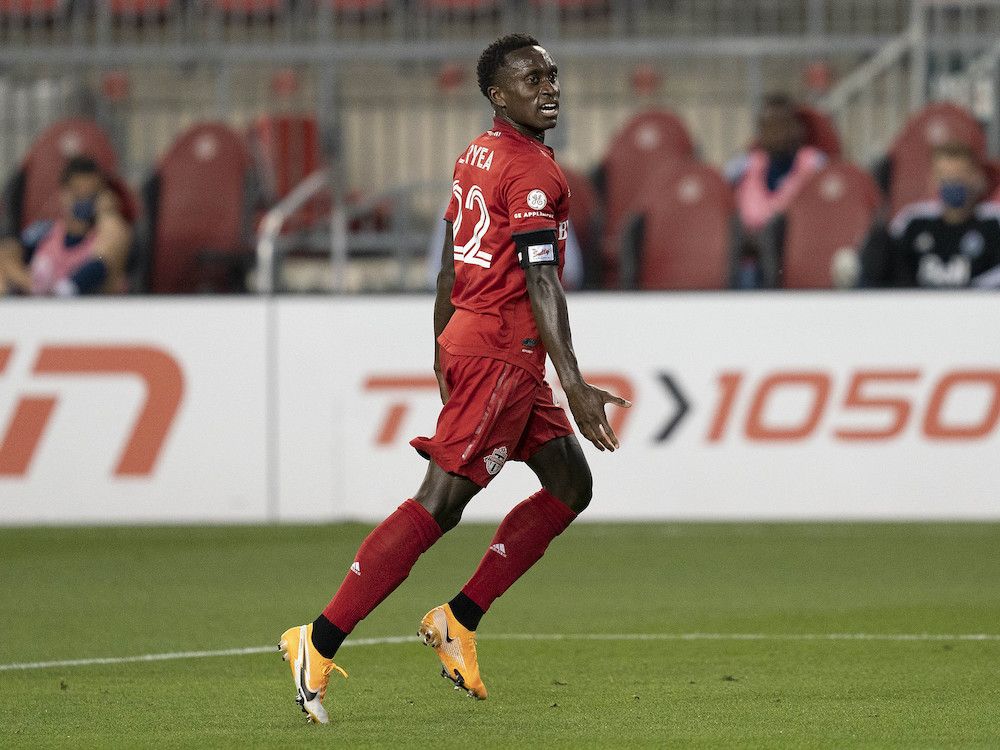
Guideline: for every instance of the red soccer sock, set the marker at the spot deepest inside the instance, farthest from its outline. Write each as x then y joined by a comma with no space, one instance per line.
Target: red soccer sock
519,543
384,560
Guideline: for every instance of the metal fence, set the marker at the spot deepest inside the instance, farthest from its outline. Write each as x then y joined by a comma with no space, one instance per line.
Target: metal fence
394,78
69,23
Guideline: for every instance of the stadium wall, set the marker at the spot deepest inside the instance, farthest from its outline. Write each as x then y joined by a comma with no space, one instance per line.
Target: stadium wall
771,406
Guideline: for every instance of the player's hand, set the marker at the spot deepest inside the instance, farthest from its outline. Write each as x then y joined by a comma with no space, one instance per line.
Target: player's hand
587,404
442,386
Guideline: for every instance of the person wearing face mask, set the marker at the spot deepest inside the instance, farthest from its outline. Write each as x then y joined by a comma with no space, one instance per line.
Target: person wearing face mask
82,252
952,240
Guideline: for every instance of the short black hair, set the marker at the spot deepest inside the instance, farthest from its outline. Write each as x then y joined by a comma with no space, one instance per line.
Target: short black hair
493,58
779,100
79,165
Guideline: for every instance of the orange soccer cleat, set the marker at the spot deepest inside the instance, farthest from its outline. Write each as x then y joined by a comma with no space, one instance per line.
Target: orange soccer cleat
456,647
310,671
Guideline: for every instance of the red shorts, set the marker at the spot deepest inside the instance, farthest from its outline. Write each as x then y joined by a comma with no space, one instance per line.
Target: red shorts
496,412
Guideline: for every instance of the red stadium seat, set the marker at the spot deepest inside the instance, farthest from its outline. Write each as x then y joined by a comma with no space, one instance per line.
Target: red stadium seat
41,169
993,181
199,208
820,132
646,142
833,211
141,7
28,10
686,210
585,216
287,150
910,154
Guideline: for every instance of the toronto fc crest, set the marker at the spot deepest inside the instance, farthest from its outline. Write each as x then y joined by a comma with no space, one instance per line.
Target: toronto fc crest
496,460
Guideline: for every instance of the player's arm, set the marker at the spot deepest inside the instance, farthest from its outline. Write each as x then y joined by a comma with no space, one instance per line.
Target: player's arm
443,309
548,305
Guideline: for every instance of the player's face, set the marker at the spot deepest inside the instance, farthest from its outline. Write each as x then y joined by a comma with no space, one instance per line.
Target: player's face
527,91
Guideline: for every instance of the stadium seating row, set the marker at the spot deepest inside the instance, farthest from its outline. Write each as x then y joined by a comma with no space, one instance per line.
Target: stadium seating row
655,217
688,225
198,206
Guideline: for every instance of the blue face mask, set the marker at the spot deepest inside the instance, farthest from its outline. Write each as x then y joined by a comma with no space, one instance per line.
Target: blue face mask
954,194
85,210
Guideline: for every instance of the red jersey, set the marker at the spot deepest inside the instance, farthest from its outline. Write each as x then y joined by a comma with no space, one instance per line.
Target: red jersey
505,183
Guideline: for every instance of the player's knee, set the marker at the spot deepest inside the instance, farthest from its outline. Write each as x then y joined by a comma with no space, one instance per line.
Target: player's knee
448,518
447,511
576,491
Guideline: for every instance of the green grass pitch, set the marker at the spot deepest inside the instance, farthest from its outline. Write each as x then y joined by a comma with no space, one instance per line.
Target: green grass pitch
79,593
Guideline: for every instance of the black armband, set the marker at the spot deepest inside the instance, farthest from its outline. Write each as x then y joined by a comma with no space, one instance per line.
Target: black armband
539,248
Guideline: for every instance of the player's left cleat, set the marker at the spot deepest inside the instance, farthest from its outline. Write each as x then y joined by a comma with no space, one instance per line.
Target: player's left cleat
456,648
310,671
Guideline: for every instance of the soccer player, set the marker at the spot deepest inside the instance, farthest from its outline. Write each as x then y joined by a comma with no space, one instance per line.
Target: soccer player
499,309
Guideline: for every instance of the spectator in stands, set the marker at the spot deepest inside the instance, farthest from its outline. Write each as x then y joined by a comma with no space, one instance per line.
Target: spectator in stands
767,177
83,252
951,241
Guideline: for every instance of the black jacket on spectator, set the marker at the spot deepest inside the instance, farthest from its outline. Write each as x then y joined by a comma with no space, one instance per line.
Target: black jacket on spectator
920,249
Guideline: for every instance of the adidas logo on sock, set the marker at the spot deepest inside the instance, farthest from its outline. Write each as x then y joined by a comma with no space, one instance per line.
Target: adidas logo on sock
499,549
356,568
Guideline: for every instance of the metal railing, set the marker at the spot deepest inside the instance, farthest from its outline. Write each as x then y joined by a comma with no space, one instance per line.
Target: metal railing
269,234
403,241
948,51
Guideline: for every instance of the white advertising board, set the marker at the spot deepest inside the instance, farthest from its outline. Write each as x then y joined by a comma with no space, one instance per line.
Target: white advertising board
132,411
782,406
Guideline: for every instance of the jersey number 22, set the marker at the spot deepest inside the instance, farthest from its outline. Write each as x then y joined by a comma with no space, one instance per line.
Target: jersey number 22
470,252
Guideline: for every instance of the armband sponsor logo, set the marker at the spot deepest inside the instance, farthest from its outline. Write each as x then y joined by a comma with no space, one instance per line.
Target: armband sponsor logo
537,200
541,253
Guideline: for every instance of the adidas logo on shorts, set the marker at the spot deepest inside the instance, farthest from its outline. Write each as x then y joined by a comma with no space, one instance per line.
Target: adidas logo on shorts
356,568
499,549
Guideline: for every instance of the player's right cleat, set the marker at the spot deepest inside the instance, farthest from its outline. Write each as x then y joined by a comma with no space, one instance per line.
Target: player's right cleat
456,648
310,671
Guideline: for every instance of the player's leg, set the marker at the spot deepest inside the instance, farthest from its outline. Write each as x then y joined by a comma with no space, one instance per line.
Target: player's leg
526,532
381,564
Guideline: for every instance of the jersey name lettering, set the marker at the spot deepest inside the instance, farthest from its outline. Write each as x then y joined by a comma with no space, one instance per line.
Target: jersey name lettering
478,156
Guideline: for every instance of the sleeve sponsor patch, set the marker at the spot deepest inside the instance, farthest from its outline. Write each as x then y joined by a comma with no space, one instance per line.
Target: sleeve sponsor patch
537,200
541,253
